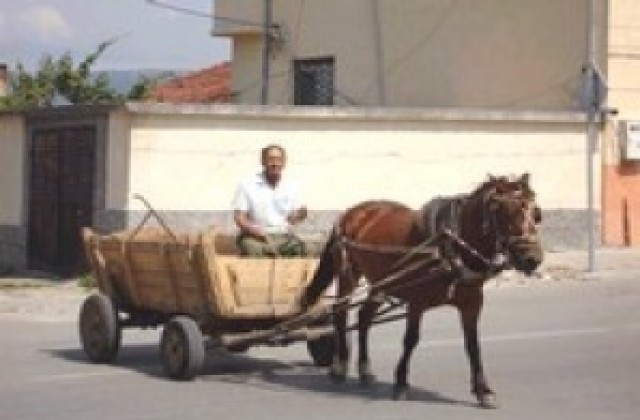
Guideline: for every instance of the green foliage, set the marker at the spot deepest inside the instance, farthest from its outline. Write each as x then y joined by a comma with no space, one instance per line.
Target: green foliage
75,83
142,88
87,281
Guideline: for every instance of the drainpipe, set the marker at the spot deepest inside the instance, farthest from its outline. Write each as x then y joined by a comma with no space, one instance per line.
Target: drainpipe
377,39
593,108
266,50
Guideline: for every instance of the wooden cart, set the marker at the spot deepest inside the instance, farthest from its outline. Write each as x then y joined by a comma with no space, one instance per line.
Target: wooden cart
201,291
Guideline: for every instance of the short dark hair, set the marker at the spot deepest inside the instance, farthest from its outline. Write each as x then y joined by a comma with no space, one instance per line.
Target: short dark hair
268,148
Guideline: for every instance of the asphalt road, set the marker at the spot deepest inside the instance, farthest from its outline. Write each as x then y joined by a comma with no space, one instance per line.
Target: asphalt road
552,350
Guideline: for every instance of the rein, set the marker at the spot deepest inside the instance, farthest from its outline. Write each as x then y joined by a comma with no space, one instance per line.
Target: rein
427,247
438,247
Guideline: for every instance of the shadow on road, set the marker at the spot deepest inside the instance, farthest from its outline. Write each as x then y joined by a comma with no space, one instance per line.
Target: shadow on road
142,358
256,372
306,377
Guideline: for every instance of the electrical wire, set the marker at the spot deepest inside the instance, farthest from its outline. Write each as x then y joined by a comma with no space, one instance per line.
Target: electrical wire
198,13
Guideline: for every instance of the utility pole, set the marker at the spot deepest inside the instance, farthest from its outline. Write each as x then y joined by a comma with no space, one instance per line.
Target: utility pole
266,50
594,93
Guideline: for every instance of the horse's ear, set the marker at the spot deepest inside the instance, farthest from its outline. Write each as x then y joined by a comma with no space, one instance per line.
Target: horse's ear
524,179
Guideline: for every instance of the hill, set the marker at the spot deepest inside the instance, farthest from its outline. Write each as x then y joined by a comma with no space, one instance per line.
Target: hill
122,80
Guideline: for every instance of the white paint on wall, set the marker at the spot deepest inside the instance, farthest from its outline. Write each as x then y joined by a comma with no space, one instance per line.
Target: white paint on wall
194,161
12,160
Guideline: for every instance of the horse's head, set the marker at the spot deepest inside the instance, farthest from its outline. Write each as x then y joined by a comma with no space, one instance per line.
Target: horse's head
510,221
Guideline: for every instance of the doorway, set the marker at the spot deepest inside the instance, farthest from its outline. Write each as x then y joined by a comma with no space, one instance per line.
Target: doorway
61,185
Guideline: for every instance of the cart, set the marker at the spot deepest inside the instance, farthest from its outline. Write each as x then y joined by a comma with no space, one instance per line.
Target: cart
200,291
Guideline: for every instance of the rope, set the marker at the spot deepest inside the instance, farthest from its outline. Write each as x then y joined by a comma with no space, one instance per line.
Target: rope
150,212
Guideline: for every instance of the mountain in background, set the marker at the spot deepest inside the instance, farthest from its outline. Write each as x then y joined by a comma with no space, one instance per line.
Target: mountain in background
122,80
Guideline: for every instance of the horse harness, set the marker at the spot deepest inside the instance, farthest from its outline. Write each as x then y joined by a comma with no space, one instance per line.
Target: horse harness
438,221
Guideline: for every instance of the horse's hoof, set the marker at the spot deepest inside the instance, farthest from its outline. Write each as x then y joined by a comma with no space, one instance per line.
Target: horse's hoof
337,377
367,380
400,393
488,401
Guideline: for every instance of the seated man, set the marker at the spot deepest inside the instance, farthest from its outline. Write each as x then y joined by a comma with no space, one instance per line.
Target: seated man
265,207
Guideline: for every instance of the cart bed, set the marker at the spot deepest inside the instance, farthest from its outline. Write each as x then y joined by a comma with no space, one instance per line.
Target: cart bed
198,275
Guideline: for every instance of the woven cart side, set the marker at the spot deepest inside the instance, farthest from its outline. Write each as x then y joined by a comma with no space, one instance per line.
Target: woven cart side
251,288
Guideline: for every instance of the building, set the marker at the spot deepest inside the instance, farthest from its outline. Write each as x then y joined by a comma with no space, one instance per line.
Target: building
413,53
515,55
209,85
402,112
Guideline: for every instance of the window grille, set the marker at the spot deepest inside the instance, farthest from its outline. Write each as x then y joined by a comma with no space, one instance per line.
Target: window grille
314,81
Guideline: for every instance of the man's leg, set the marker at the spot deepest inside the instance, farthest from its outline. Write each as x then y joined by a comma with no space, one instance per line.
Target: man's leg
289,245
253,247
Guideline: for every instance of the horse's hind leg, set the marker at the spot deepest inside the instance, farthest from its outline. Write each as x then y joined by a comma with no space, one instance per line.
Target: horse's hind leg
365,318
411,338
470,315
340,366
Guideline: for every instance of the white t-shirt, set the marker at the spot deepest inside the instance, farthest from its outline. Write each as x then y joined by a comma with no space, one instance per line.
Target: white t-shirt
267,206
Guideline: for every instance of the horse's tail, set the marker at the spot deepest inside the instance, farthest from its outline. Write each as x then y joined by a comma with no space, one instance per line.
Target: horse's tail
324,274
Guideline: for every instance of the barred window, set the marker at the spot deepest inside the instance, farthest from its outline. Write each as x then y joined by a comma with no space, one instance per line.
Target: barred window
314,81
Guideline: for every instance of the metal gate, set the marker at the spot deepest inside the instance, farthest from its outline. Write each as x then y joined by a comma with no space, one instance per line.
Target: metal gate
62,163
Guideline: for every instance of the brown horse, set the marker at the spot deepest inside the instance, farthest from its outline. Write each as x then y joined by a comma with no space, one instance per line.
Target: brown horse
383,241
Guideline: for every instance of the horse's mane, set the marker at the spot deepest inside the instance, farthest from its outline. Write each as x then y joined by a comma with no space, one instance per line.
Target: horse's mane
505,184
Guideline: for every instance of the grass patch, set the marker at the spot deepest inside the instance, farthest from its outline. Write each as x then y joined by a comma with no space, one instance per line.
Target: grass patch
87,281
11,285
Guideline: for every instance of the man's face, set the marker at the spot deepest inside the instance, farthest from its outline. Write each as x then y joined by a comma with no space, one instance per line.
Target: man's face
273,163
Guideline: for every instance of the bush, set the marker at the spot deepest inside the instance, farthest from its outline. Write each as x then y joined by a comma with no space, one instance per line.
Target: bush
87,281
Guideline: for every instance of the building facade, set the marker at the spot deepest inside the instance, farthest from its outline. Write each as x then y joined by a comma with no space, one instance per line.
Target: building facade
69,167
515,55
413,53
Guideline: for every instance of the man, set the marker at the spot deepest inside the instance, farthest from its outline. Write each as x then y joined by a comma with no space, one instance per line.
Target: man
266,206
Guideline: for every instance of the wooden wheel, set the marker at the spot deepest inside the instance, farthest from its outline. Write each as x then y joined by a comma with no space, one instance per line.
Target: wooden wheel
100,333
321,350
182,348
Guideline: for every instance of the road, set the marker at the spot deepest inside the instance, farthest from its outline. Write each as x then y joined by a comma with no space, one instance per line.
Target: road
552,350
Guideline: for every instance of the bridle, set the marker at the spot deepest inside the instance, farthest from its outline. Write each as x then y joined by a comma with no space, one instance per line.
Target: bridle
494,229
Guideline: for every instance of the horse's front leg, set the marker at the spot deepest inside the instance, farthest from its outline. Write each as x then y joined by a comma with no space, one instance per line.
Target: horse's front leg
470,315
365,318
411,339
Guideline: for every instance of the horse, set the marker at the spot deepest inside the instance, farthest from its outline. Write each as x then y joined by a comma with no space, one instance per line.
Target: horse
493,228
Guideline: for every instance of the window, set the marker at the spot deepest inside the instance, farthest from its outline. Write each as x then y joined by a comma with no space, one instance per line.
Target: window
314,81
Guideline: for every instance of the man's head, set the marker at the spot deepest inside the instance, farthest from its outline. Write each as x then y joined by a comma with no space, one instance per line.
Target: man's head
273,159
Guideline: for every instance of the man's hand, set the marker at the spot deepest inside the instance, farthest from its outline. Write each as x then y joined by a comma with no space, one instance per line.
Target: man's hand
247,226
297,216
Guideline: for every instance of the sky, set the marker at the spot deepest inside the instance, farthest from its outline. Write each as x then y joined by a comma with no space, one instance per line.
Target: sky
149,37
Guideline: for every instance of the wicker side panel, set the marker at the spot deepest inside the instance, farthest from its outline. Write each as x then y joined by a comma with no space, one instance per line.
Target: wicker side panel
165,277
259,287
150,269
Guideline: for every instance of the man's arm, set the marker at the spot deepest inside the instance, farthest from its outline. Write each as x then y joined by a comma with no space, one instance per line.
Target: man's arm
297,215
247,226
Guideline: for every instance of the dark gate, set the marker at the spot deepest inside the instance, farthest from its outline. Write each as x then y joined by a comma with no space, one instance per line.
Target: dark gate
60,197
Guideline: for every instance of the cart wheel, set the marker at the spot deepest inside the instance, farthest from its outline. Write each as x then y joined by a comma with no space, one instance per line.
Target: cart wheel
182,348
100,333
321,350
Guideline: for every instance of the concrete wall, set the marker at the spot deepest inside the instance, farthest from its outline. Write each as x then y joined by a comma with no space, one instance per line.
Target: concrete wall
12,177
491,53
188,160
12,148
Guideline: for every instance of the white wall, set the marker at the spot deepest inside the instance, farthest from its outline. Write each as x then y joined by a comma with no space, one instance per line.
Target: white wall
12,160
192,161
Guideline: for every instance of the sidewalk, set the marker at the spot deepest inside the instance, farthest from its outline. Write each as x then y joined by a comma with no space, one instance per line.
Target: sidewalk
46,298
606,259
573,265
557,265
